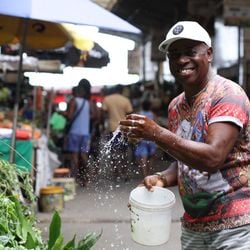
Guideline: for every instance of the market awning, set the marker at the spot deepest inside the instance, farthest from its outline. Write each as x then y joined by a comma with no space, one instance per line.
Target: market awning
82,12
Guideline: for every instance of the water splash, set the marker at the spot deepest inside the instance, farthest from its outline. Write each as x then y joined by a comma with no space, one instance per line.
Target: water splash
117,138
109,154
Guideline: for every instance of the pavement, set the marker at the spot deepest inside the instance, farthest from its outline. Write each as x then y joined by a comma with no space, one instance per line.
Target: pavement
103,207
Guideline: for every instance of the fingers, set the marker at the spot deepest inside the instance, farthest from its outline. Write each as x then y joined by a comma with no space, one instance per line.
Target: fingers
146,184
152,181
135,117
149,182
133,126
132,123
127,129
125,122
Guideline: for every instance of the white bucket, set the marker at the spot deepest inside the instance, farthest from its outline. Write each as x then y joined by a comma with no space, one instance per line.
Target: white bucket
151,215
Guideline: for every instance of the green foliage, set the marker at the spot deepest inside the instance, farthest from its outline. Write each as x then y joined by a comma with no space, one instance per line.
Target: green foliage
55,241
54,230
17,217
18,229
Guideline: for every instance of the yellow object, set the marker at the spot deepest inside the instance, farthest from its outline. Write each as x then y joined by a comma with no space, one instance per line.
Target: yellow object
51,199
80,40
51,190
40,34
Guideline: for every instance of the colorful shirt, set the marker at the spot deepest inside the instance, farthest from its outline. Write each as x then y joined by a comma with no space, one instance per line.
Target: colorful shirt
219,200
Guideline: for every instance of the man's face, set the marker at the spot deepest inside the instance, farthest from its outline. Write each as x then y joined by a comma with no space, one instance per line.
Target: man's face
189,62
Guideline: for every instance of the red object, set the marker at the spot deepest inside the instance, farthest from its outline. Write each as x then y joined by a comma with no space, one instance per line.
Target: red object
59,98
97,98
22,134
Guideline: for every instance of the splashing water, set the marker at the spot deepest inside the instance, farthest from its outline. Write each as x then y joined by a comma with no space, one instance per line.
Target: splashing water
117,138
109,154
109,157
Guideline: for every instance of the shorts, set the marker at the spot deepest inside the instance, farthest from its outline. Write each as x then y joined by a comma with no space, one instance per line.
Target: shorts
145,148
78,143
229,239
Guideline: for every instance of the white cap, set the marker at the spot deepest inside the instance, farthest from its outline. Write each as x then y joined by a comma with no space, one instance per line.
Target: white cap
185,30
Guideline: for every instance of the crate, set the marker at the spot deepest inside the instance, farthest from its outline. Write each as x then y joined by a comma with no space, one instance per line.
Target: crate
69,187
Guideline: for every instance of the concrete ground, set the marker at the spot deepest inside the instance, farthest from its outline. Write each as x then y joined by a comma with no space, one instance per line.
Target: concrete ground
103,206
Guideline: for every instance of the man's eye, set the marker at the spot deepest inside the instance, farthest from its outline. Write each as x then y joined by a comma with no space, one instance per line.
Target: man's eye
176,54
191,53
173,54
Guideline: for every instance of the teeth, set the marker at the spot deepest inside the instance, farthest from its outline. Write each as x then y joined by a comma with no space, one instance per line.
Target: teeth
185,71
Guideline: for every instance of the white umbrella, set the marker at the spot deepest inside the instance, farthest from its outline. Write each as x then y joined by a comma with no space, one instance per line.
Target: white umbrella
68,11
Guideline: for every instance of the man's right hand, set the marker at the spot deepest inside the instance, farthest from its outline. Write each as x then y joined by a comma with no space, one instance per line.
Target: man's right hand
151,181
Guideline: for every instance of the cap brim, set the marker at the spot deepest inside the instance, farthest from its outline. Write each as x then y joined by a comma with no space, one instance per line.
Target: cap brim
165,44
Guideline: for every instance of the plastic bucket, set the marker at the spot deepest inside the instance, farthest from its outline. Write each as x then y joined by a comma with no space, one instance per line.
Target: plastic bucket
51,199
151,215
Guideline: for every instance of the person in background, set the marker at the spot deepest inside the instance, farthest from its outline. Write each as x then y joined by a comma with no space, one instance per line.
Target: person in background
115,107
144,149
208,135
27,111
5,95
79,134
57,124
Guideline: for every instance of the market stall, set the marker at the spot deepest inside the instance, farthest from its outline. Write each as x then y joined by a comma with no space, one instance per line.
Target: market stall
24,152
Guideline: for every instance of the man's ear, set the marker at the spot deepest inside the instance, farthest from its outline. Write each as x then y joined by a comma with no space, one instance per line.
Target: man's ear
210,54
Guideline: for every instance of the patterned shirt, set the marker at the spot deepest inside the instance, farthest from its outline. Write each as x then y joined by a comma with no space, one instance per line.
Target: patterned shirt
214,201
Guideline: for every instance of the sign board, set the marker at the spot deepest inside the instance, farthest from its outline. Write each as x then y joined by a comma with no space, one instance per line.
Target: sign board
237,13
246,43
134,61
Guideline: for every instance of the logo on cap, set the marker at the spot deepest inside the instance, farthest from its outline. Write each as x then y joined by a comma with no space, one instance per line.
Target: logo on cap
178,29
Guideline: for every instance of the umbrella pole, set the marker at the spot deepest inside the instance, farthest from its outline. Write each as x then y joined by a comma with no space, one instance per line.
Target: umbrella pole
19,81
52,95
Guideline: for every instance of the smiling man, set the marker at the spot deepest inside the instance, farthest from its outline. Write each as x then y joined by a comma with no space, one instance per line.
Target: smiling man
208,135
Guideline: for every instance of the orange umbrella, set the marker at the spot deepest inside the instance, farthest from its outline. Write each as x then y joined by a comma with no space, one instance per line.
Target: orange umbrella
39,34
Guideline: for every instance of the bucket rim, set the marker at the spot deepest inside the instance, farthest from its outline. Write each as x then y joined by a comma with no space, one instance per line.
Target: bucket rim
52,190
144,206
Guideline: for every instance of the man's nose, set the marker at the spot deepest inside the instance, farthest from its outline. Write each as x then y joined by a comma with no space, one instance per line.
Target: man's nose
182,57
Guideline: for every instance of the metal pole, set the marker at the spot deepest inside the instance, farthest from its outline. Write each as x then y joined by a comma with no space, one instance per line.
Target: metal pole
19,81
240,56
143,59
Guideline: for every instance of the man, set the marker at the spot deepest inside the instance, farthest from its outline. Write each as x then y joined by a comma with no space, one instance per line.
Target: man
209,137
116,106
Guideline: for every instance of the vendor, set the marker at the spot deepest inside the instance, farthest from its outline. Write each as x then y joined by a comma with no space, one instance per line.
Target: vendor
27,111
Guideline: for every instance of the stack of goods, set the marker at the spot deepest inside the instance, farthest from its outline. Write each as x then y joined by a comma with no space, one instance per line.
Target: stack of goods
24,131
62,179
